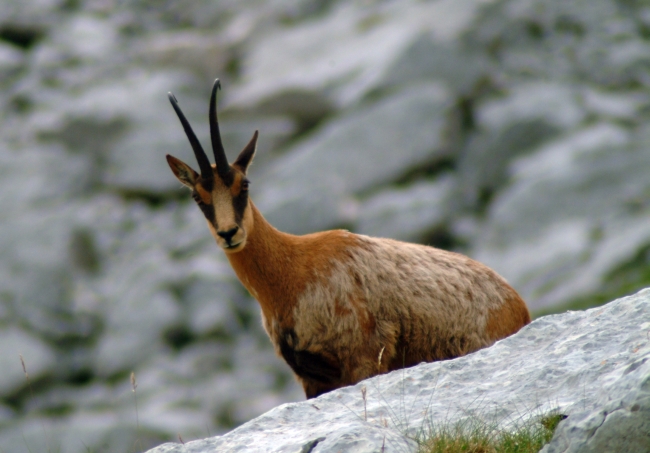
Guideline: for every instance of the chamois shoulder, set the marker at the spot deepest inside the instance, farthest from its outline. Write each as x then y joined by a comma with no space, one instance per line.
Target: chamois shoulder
331,245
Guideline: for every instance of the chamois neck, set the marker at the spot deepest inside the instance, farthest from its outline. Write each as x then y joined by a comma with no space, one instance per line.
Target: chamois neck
265,264
264,238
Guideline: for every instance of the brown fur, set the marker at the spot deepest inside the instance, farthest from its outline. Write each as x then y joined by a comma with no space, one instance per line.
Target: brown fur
508,318
341,307
349,297
206,196
414,303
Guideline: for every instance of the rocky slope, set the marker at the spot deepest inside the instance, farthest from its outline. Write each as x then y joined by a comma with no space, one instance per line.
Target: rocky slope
514,131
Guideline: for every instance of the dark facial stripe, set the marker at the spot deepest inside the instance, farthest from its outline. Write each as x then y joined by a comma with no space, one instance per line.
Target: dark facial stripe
239,204
208,209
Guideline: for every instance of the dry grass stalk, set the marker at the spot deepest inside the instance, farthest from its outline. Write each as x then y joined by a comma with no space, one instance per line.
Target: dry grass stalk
379,358
134,386
31,391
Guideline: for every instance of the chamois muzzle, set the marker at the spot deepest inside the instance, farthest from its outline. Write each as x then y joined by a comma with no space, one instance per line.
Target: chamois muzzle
227,235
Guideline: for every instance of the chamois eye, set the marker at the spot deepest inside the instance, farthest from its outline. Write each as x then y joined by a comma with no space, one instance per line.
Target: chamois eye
244,184
197,198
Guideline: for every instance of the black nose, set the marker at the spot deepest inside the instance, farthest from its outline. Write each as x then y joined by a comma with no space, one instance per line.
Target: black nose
227,235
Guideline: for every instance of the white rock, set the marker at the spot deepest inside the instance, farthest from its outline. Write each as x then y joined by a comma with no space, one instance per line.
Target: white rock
10,60
553,238
406,213
613,105
557,104
345,53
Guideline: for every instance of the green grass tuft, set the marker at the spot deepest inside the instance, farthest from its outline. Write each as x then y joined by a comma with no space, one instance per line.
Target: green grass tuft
477,436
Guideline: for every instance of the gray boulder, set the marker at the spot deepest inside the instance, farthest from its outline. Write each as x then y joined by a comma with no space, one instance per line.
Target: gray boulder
409,213
374,36
311,186
592,366
551,260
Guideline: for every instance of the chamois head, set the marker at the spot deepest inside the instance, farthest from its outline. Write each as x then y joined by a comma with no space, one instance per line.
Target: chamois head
221,190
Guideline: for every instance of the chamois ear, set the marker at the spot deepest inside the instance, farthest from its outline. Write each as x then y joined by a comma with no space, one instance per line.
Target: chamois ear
183,172
246,156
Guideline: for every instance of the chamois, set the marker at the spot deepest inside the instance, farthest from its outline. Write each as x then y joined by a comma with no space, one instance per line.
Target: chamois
341,307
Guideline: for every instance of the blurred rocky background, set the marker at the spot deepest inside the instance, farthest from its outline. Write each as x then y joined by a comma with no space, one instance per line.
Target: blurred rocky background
515,131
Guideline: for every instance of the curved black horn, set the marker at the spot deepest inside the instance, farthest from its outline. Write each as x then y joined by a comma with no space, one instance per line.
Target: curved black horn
204,162
223,168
